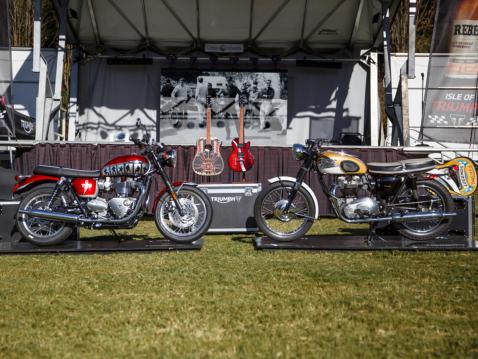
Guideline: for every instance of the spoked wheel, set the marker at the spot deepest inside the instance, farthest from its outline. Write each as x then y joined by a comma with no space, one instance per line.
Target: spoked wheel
272,219
42,232
432,197
189,225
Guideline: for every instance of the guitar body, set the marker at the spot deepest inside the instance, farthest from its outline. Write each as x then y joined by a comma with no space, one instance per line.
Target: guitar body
240,159
208,160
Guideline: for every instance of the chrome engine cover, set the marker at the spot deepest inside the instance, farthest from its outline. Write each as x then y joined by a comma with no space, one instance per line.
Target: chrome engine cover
120,205
360,208
98,205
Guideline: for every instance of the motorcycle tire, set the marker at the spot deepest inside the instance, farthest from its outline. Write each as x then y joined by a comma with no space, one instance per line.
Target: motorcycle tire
439,229
31,228
171,224
275,234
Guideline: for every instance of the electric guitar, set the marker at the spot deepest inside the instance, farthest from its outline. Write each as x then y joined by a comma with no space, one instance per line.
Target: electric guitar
241,159
208,160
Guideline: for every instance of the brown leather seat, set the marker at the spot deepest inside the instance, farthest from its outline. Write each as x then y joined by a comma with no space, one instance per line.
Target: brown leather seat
405,166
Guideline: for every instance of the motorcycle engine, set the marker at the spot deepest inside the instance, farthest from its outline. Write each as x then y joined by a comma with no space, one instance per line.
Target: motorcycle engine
361,208
119,205
354,198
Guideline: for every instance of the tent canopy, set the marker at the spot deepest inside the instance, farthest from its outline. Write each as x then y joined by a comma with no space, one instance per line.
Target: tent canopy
264,27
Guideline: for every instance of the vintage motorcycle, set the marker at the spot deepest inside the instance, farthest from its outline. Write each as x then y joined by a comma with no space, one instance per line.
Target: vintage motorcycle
377,193
55,200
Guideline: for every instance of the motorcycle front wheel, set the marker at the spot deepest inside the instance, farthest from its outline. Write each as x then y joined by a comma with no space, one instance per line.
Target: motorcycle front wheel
192,223
42,232
432,197
277,224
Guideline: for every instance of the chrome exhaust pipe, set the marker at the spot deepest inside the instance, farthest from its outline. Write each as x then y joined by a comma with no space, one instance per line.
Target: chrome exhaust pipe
421,216
53,216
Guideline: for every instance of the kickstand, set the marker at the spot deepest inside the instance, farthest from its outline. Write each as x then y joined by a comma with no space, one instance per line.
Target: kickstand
113,232
373,234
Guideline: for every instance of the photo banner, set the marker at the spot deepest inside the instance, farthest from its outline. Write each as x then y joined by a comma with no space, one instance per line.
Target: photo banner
183,106
450,113
6,111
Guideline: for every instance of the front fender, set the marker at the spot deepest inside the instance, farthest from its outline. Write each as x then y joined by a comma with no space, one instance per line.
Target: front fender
32,181
304,185
176,185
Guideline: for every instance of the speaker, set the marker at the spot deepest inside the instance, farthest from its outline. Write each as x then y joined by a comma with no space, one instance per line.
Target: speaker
463,222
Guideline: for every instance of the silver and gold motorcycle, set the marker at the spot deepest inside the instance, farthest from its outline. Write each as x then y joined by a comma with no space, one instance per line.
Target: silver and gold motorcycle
376,193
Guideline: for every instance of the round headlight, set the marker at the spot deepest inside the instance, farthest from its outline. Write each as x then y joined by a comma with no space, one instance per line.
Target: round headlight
299,151
170,158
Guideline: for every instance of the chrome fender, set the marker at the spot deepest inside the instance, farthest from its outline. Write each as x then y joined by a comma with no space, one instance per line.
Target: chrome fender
304,185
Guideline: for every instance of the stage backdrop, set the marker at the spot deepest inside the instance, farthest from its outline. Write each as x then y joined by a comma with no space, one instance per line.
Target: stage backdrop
306,101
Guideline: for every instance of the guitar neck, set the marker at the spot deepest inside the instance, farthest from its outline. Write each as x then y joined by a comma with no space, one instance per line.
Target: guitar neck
208,122
241,125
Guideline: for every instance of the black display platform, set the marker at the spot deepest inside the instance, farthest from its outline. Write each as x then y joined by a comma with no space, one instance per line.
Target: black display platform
361,243
98,246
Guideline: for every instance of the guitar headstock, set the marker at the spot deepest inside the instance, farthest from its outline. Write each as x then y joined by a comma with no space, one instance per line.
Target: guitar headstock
208,101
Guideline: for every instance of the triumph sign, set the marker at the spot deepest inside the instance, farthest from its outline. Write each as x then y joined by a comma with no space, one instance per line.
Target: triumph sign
451,98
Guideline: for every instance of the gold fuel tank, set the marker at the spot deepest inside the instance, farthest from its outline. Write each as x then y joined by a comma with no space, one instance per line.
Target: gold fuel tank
340,163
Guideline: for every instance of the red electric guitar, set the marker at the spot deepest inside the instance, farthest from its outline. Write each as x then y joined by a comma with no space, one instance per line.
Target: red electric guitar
208,160
241,159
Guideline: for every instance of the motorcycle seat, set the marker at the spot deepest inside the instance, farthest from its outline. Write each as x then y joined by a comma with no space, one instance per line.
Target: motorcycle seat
64,172
404,166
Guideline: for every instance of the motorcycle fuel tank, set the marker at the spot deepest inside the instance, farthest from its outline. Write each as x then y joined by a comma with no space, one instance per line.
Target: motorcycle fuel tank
85,187
339,163
130,165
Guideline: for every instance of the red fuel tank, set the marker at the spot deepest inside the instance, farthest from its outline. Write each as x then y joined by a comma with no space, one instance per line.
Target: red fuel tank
130,166
85,187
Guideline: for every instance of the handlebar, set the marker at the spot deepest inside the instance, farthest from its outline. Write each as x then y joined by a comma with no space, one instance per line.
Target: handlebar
147,147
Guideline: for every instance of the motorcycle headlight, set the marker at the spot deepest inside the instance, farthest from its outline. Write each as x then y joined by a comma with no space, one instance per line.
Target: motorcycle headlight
299,151
169,158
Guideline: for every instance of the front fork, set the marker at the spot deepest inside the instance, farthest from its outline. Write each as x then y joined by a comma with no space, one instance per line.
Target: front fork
171,190
304,169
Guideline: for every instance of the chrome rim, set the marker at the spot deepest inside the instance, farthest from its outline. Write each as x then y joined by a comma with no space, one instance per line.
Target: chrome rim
39,227
430,201
193,218
274,217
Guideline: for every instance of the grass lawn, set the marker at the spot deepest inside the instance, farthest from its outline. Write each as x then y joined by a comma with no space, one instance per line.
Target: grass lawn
229,300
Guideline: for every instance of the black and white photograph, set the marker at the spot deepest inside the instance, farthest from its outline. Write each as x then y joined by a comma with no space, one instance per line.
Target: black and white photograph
183,109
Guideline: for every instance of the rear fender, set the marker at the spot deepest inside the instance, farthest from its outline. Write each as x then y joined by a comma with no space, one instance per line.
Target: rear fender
304,186
177,187
32,181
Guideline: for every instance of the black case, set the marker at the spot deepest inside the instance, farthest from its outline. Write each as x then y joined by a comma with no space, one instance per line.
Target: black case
233,206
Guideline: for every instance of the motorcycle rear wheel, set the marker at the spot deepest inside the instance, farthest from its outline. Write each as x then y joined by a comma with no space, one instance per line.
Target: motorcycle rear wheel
42,232
440,200
195,220
276,224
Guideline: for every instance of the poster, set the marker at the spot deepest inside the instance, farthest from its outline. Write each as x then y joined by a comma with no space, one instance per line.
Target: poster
451,105
183,106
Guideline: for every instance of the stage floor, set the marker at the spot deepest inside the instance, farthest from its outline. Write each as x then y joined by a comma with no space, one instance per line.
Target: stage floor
361,243
98,246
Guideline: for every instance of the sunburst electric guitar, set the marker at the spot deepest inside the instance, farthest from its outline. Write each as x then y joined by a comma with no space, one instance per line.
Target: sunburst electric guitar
208,160
240,159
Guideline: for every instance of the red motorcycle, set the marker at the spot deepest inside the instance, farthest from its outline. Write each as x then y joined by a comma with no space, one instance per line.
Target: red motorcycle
55,200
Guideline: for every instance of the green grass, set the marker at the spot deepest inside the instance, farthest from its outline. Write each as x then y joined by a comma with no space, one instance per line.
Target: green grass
229,300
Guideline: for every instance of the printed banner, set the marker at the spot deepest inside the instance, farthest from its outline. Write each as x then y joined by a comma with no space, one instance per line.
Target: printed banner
183,106
451,97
